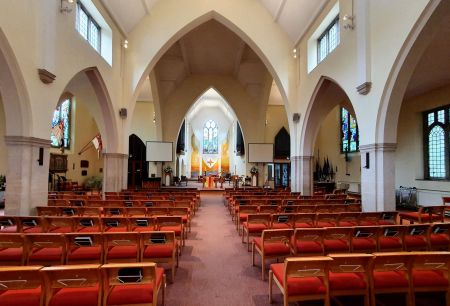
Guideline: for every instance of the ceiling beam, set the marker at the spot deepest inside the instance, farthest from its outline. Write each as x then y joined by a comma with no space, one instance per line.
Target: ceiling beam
184,54
114,19
279,10
239,54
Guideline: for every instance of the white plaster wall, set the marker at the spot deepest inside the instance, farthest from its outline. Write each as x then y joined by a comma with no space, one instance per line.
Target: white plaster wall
409,167
142,123
276,118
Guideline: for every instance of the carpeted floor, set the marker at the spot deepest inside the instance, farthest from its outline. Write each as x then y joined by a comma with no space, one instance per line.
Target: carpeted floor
215,268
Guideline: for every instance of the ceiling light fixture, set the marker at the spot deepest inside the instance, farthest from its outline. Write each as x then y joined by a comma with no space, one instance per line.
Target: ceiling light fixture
66,6
125,44
348,22
294,53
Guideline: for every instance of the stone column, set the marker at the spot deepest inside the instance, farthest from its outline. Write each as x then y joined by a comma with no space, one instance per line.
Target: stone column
26,179
378,179
115,171
302,174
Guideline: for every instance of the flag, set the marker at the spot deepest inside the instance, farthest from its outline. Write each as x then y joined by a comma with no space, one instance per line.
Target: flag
98,145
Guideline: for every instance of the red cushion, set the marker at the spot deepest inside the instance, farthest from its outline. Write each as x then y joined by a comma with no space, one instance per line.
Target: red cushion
117,229
11,254
439,240
89,229
273,248
134,294
85,253
415,216
364,244
299,285
336,245
386,222
429,278
254,227
417,241
281,225
243,216
24,297
143,228
326,224
304,247
390,279
390,243
159,251
8,229
125,251
175,228
346,281
32,229
348,223
61,229
75,296
368,222
46,254
303,225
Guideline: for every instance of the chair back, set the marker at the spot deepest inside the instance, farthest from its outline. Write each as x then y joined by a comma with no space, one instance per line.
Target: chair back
19,278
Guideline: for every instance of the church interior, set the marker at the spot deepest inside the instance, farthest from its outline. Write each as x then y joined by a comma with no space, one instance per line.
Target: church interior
238,152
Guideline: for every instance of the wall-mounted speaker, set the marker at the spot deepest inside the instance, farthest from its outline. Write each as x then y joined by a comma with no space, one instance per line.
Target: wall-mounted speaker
367,166
296,117
41,157
123,113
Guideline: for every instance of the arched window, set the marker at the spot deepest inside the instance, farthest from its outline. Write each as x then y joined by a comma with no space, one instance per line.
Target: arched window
349,132
436,140
210,138
60,134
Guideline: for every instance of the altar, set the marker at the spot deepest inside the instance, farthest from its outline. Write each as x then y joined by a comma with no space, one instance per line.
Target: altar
211,181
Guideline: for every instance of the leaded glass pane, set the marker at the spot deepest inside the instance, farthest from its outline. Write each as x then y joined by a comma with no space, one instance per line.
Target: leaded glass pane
93,35
349,131
441,116
333,37
323,47
436,152
430,118
82,23
60,133
210,138
353,134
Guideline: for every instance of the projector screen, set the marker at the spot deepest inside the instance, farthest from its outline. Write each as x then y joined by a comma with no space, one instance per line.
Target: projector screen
260,152
158,151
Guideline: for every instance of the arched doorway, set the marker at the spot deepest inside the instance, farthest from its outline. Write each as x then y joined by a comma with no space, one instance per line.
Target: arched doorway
137,164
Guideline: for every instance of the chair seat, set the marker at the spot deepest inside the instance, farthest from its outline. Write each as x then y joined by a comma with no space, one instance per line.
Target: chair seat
368,222
46,254
8,229
368,244
75,296
390,279
243,217
346,281
416,241
11,254
326,224
61,229
33,229
273,248
254,227
116,229
159,251
120,252
348,223
143,229
299,285
281,225
336,245
89,229
303,225
172,228
24,297
439,240
85,253
307,247
134,294
429,278
390,243
415,216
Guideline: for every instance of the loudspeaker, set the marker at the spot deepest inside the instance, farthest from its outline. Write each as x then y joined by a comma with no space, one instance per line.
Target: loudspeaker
367,166
41,157
123,113
296,117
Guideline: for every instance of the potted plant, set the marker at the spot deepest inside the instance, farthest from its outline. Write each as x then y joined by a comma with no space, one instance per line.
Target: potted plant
93,183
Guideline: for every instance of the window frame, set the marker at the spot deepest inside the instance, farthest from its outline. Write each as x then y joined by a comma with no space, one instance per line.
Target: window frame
69,119
426,132
217,136
326,33
90,21
348,130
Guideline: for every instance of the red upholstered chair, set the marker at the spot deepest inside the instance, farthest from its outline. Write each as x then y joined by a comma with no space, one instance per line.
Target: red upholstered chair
255,225
90,211
12,249
182,212
391,238
49,210
268,209
308,242
58,202
114,211
115,224
349,275
324,209
157,211
45,249
136,211
9,224
337,239
348,219
430,273
282,221
59,224
121,247
271,244
31,225
171,223
439,237
306,209
71,211
416,237
133,284
84,248
390,273
72,285
426,214
77,202
160,247
354,207
301,279
21,286
388,218
337,208
142,224
87,224
242,213
365,239
369,218
327,220
304,220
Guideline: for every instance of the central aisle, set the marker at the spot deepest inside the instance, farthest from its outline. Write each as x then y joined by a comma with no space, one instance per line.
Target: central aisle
215,268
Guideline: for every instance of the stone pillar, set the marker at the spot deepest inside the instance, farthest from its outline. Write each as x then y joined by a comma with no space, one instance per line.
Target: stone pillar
302,174
115,171
26,180
378,179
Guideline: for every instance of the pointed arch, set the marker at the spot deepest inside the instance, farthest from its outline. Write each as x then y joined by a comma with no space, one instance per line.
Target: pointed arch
282,146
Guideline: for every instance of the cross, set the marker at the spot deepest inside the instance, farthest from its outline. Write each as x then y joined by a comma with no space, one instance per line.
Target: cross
210,162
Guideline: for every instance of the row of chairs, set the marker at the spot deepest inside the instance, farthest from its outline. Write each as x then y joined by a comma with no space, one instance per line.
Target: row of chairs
124,203
358,239
89,248
366,275
91,284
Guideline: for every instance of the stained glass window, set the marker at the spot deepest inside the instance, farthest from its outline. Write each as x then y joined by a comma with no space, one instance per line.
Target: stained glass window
328,41
210,138
60,133
436,143
349,132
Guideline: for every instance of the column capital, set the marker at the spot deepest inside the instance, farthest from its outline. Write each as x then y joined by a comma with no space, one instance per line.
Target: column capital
27,141
387,146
